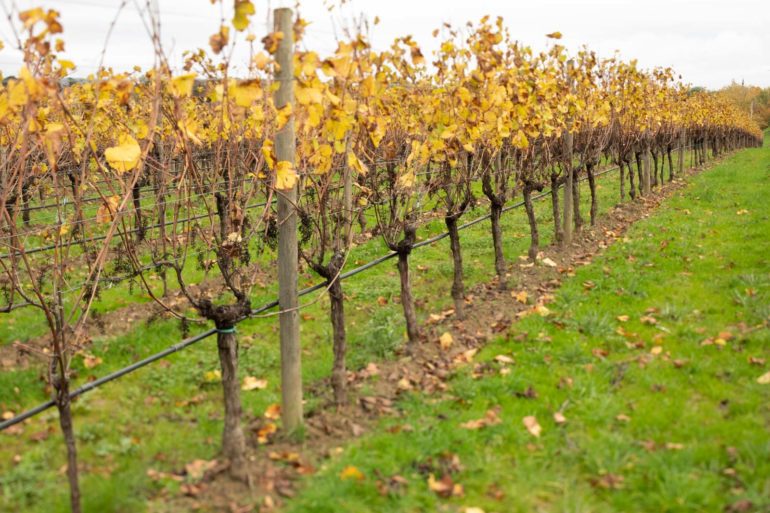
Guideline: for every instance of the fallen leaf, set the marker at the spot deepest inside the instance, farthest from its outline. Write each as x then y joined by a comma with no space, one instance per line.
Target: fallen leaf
252,383
444,487
608,481
273,411
263,434
197,468
466,356
548,262
741,506
90,361
764,379
446,340
623,318
622,417
351,473
212,376
530,422
501,358
559,418
521,297
490,419
289,457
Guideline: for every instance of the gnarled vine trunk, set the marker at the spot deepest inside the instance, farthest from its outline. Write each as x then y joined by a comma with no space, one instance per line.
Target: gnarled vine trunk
458,287
497,242
534,244
578,218
233,440
592,188
61,386
407,301
558,230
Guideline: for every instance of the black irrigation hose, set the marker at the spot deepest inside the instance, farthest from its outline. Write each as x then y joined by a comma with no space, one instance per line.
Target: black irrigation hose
109,377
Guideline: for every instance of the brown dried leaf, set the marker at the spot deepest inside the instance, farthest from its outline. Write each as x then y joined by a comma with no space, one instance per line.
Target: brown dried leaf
530,422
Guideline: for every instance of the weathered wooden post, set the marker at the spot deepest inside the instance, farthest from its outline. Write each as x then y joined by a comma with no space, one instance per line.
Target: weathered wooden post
288,254
568,174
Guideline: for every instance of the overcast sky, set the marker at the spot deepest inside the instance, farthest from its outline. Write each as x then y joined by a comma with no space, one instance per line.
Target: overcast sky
709,42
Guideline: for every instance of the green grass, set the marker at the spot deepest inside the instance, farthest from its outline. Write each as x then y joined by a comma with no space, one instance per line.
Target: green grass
712,276
121,433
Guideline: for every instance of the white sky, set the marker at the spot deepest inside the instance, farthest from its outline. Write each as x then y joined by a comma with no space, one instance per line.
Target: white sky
709,42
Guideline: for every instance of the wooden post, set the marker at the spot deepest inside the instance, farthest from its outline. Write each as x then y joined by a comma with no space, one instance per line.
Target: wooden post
568,185
288,254
682,141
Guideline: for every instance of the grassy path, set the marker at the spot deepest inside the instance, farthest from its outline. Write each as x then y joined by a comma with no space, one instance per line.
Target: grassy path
652,355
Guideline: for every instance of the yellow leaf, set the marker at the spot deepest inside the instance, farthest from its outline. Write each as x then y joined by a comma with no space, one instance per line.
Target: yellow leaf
356,164
282,116
245,93
189,130
530,422
182,86
764,379
554,35
261,60
445,340
252,383
351,473
107,210
65,65
520,297
31,16
308,95
243,9
212,376
285,176
125,156
406,180
267,152
559,418
520,140
53,128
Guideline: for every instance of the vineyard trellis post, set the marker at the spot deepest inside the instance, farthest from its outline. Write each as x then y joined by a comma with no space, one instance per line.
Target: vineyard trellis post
568,171
288,251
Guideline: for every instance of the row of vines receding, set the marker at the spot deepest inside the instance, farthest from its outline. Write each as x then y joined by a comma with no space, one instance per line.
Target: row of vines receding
143,176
